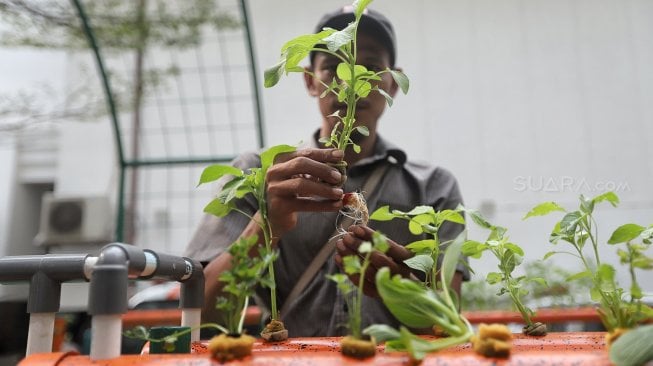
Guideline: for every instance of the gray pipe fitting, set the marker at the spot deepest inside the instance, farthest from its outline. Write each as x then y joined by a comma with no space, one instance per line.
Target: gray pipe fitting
45,274
192,289
170,266
108,291
131,256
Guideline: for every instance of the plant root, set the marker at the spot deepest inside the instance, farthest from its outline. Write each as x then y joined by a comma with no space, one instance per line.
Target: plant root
355,208
226,347
494,340
274,331
358,348
536,329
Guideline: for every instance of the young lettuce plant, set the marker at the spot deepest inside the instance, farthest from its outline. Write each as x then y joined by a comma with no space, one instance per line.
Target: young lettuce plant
578,228
353,82
243,183
419,306
356,345
509,255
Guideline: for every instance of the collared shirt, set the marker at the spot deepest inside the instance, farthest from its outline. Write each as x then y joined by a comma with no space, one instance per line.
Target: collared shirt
317,311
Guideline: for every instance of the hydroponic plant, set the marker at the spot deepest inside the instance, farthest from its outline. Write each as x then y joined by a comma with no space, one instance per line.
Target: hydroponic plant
509,255
252,181
618,309
357,344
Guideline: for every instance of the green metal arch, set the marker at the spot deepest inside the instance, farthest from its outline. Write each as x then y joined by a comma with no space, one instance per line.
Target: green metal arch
106,85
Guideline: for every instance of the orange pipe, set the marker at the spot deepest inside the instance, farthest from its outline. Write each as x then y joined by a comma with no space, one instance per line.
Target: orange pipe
155,317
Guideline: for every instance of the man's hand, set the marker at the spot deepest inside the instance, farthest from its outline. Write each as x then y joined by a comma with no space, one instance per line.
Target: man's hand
302,181
393,258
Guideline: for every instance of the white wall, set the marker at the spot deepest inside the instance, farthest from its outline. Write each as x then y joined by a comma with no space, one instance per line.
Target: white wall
525,101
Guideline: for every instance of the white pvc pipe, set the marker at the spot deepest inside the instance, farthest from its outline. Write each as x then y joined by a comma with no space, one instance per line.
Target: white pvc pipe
106,334
41,332
192,318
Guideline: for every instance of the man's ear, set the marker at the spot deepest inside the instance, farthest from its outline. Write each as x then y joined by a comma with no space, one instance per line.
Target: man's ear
309,82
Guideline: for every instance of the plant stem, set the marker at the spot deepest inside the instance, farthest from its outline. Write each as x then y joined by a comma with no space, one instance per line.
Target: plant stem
358,300
267,238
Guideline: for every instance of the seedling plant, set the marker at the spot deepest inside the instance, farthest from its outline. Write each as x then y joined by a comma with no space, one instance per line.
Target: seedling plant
240,281
353,82
354,266
426,304
618,310
509,255
241,183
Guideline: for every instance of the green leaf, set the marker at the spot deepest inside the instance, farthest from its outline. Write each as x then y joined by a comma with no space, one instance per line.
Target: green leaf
272,75
473,249
543,209
417,223
337,39
479,219
636,291
217,208
422,262
356,147
605,276
387,96
549,254
382,332
451,216
352,264
362,88
451,258
539,280
359,7
514,248
569,222
299,47
382,214
268,156
420,210
607,196
363,130
343,71
493,278
579,275
380,242
401,79
365,247
407,300
421,246
634,347
215,172
625,233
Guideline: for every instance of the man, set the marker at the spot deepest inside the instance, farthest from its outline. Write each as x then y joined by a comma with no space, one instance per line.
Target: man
303,198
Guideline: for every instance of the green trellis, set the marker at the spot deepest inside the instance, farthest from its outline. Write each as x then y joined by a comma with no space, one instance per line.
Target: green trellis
183,132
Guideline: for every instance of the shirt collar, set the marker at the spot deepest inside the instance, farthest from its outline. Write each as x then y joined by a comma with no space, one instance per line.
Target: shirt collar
383,150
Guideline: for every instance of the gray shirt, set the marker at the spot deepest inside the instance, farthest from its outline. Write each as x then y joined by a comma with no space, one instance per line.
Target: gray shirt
319,310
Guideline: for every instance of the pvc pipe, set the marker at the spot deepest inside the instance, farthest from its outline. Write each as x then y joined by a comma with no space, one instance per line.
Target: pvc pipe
106,335
41,332
192,318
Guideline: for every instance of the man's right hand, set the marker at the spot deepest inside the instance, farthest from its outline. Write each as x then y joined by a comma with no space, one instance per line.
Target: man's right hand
302,181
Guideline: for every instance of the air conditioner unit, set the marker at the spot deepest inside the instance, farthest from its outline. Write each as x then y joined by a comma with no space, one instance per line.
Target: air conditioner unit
74,220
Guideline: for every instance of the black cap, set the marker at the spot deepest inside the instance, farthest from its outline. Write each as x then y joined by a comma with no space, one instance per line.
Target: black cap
372,23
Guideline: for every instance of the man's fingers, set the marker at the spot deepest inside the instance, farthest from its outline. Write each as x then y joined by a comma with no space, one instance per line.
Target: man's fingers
300,187
322,155
302,167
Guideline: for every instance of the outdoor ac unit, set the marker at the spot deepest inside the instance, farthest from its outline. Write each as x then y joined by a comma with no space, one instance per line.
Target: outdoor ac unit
74,220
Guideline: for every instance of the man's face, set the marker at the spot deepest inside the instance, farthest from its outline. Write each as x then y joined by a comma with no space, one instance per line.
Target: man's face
374,57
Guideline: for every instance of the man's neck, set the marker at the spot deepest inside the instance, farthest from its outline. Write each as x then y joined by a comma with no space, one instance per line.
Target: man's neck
367,150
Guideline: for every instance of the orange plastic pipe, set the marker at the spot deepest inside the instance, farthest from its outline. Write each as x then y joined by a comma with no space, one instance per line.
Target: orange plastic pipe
154,317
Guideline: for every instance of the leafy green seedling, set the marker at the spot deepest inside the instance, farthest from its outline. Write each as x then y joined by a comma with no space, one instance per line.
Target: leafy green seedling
509,255
240,281
354,266
579,227
418,306
423,220
353,82
241,184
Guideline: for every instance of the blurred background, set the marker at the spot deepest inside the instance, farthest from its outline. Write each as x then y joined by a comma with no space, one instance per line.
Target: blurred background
524,101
